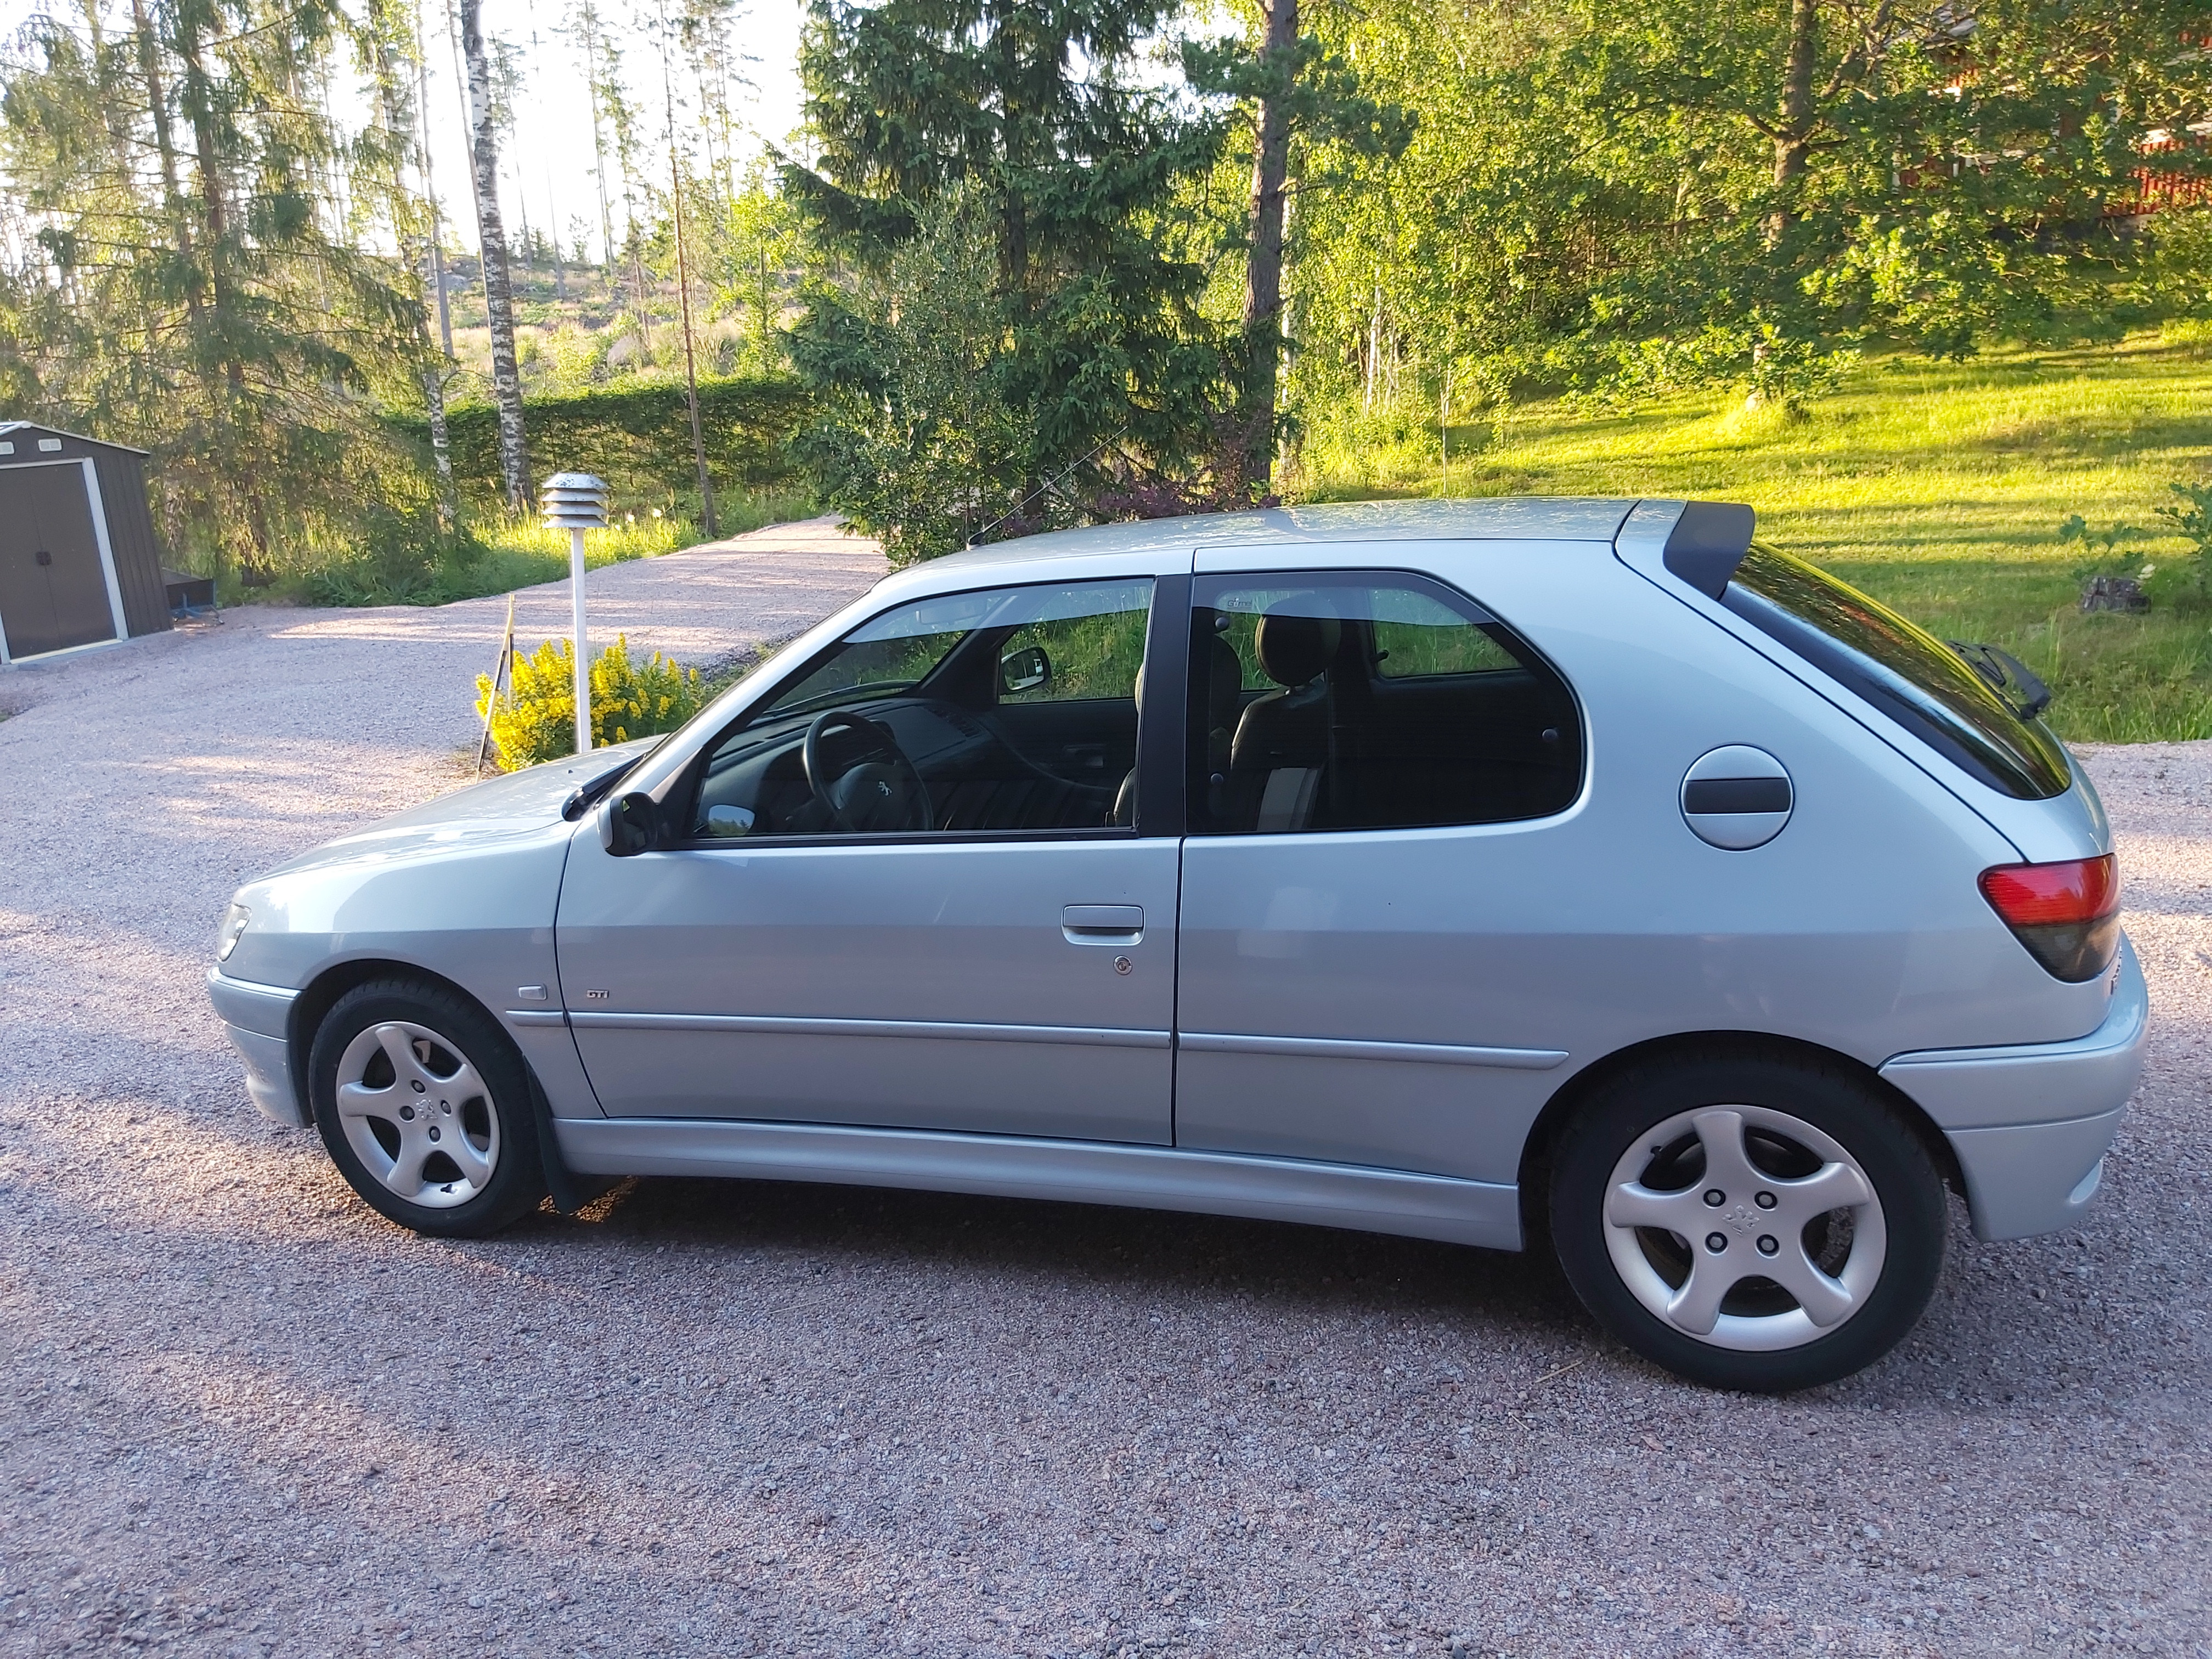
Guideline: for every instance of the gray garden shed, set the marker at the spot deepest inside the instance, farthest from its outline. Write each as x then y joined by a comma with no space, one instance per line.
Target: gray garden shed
78,560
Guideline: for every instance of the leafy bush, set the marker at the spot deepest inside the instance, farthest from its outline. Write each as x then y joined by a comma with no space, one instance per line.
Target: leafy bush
2186,582
535,719
2194,521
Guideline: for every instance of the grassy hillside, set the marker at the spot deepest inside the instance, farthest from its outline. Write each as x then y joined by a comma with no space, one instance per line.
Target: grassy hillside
1938,488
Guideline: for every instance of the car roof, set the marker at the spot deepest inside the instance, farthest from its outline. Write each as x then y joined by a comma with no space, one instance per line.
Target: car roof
1520,517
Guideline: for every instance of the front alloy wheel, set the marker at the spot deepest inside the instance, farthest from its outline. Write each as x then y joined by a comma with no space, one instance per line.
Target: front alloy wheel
418,1114
1755,1224
424,1105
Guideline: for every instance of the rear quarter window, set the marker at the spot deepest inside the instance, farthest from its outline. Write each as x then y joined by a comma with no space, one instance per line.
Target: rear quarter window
1901,669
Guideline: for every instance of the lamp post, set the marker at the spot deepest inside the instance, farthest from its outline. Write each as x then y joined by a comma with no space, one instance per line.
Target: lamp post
576,502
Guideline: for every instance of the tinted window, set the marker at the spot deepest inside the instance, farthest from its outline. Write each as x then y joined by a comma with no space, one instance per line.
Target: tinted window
1009,709
1076,659
1368,701
1416,636
1902,670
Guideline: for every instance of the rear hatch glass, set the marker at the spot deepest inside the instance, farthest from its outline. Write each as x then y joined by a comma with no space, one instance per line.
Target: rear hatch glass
1903,670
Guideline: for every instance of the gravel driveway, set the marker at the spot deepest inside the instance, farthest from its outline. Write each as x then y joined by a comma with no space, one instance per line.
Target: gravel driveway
242,1415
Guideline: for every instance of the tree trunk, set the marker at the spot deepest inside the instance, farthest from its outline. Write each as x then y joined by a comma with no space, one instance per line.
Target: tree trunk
1793,138
499,299
637,283
199,110
437,250
1263,264
587,19
400,126
683,296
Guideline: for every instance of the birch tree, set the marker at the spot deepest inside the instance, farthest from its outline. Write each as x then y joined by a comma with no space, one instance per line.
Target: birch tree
499,298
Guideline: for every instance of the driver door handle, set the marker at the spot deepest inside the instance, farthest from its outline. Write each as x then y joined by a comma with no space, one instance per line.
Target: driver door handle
1103,924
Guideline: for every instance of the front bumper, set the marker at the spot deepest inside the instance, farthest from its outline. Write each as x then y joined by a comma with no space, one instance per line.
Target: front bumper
2031,1123
256,1018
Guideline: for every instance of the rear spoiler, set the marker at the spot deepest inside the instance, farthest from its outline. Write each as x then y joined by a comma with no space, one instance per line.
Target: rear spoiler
1699,542
1707,544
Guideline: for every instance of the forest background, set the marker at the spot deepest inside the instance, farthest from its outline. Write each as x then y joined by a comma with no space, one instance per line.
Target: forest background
1919,279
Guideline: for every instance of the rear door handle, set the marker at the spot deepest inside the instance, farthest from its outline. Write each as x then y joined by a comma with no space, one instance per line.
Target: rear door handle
1103,924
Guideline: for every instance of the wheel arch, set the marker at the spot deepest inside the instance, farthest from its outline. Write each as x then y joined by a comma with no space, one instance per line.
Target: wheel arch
321,993
570,1191
1559,1112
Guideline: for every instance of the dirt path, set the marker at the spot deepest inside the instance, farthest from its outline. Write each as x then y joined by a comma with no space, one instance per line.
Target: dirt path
240,1414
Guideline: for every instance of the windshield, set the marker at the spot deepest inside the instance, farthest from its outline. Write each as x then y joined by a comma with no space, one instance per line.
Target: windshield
1901,669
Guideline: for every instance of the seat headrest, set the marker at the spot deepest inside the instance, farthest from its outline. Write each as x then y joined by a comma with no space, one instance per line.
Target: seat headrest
1295,649
1225,685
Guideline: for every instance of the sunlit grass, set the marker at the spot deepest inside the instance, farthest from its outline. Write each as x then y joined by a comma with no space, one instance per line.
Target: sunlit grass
525,550
1938,488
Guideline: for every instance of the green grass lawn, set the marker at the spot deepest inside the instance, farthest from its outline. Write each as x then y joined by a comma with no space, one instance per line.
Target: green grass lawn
1937,488
519,550
524,551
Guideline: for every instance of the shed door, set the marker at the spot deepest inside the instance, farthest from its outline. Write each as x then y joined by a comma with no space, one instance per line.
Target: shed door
54,593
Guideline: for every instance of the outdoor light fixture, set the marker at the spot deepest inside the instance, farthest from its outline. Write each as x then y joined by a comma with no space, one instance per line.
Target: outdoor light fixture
576,502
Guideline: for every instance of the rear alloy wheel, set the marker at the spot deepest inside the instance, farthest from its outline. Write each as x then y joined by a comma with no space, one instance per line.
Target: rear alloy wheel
1749,1224
425,1108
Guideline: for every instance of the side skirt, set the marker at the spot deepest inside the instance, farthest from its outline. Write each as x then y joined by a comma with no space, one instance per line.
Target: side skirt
1477,1213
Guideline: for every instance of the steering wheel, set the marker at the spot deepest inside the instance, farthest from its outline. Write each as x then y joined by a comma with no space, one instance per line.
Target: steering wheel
873,796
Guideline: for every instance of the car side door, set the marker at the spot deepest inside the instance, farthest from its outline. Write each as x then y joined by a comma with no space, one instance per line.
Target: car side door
905,901
1374,761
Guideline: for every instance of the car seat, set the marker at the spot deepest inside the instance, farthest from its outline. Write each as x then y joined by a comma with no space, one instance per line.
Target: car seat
1281,745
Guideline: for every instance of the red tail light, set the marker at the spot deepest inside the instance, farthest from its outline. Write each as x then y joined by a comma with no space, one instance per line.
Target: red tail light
2067,914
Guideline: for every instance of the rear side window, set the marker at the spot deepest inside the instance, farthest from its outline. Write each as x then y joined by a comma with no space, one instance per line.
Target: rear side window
1903,670
1368,701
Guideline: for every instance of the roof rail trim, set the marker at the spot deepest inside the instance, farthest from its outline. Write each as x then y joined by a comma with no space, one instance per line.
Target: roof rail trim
1708,542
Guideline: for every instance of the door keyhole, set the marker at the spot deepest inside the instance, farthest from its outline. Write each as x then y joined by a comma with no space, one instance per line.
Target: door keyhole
45,557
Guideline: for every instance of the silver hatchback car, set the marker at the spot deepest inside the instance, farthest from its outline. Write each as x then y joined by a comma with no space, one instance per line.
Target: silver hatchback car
1477,870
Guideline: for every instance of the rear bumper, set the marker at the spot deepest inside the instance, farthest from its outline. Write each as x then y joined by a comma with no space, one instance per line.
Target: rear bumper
2031,1123
255,1018
2033,1178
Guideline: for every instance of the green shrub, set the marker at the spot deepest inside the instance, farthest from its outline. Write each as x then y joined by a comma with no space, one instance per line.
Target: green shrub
636,435
403,557
535,719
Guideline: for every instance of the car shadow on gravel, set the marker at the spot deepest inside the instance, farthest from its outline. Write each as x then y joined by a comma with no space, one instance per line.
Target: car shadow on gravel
1988,1345
1322,1270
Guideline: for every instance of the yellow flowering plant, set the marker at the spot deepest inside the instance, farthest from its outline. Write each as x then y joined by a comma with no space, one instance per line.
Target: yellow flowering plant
534,719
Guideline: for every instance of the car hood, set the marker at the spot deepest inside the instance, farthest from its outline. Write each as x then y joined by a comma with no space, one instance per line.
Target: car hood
518,804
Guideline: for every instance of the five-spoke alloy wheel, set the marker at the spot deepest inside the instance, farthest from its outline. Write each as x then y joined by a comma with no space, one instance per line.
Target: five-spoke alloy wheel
424,1106
418,1114
1753,1223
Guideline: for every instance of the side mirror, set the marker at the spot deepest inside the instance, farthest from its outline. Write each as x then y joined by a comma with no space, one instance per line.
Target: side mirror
628,825
1024,669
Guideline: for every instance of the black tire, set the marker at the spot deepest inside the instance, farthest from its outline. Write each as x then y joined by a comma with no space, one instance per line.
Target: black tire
1904,1237
498,1114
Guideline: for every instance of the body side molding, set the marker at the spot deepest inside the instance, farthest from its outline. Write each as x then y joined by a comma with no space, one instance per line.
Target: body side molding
1458,1212
777,1024
1430,1054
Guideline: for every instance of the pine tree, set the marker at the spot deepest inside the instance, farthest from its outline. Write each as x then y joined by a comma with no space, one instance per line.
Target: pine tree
387,157
194,293
588,32
1294,93
1105,358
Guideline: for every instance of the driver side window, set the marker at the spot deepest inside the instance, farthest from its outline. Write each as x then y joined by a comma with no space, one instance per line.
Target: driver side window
1010,709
